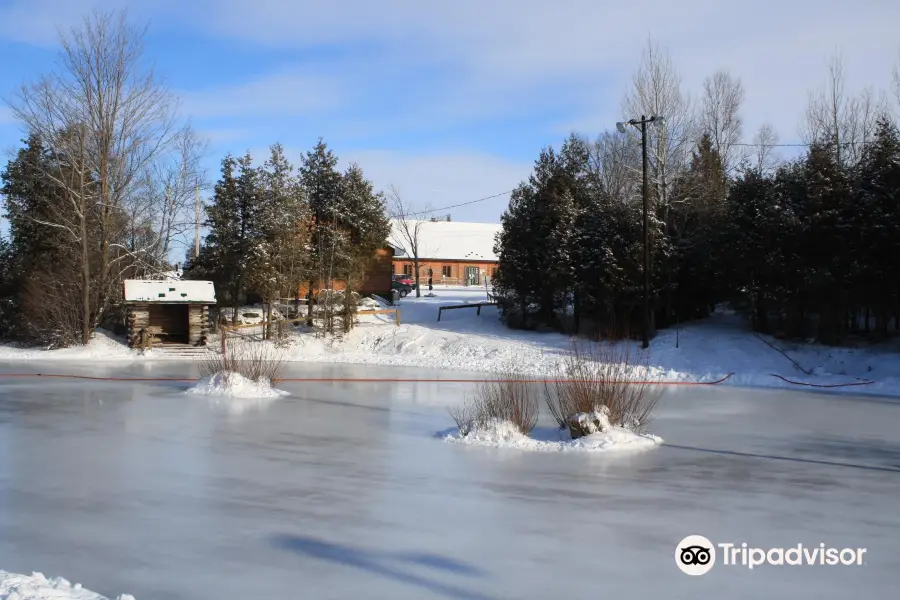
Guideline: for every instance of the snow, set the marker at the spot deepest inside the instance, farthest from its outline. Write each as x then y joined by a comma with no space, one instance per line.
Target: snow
137,290
235,393
504,434
449,240
104,346
235,385
36,586
699,351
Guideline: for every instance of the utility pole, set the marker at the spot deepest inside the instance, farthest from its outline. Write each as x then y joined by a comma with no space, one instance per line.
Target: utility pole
642,125
645,343
197,221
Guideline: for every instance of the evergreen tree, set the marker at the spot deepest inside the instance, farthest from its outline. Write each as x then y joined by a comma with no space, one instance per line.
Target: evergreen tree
874,237
278,258
322,183
233,219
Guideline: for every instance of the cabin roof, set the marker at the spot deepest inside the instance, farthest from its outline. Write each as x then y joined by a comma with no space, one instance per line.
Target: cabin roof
138,290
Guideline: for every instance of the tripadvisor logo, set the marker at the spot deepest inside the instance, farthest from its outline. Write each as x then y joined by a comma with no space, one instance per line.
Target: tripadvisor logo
696,555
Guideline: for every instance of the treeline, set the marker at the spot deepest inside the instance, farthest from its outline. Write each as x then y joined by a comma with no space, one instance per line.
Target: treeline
807,248
100,191
104,189
274,228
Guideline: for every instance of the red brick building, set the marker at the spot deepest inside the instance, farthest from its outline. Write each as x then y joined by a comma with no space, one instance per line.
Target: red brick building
378,277
456,253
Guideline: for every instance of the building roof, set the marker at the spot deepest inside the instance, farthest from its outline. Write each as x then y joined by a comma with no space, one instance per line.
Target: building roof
137,290
449,240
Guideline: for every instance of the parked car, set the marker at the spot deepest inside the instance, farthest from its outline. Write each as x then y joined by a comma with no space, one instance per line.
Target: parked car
402,288
406,280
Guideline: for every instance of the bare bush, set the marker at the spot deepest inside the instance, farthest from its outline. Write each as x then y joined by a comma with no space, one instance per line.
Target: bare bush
256,361
509,397
597,375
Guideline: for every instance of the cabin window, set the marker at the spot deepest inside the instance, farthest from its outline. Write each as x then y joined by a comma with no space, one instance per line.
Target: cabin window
407,270
445,270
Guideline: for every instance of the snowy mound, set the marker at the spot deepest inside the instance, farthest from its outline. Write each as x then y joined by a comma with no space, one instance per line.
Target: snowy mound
235,385
14,586
503,434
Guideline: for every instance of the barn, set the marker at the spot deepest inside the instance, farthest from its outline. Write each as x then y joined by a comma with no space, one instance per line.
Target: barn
168,312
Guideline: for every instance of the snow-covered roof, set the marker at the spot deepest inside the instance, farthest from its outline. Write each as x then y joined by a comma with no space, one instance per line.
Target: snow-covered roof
137,290
449,240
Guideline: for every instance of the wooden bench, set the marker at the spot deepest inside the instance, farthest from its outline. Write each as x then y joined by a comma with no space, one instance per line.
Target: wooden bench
477,305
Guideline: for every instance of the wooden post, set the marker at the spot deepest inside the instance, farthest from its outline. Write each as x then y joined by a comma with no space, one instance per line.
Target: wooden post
223,332
397,317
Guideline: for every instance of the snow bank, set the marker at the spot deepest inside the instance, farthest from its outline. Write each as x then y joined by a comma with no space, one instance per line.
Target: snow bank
503,434
700,351
14,586
103,346
235,385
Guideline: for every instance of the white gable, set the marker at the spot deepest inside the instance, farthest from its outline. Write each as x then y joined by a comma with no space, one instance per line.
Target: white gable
137,290
449,240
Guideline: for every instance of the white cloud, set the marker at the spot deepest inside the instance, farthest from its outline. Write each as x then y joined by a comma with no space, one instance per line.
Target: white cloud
287,93
512,54
439,180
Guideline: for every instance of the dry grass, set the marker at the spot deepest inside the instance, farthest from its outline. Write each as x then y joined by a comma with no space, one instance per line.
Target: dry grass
256,361
597,374
508,397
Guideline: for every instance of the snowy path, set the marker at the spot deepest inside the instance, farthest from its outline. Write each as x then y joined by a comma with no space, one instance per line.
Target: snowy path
342,491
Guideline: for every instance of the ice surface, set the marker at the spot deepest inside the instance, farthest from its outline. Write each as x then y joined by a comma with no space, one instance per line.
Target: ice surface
342,490
503,434
15,586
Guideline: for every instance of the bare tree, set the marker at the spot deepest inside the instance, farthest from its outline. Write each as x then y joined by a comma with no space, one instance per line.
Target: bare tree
174,183
896,81
106,122
656,90
615,159
839,118
720,116
406,232
764,143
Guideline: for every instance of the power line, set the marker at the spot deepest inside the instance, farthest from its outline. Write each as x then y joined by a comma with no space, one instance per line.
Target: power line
434,210
742,145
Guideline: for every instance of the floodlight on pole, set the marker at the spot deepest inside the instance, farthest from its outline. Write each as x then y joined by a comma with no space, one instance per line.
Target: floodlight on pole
621,127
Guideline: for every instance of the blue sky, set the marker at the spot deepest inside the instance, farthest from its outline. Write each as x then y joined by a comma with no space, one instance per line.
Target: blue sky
452,101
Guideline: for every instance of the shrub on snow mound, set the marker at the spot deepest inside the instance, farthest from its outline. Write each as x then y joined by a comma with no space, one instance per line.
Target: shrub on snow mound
504,434
601,385
235,385
508,399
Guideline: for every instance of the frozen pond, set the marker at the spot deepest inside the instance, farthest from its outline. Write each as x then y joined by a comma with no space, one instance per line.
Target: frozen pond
342,491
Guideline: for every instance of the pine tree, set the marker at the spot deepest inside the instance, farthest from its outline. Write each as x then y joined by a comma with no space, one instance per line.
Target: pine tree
875,226
366,220
44,268
279,256
231,221
322,183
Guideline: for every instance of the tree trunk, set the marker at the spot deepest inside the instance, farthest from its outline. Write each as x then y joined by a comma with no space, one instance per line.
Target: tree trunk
269,320
85,283
309,305
416,268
